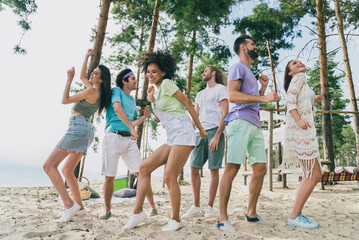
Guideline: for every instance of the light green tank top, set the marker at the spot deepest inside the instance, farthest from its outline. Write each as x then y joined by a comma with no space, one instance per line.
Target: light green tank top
85,108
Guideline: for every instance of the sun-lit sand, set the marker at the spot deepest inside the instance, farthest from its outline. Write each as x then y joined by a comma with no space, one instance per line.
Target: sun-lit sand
29,213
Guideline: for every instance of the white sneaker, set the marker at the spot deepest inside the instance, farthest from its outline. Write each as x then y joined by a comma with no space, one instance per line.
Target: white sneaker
79,213
209,212
172,225
134,220
226,226
193,212
69,213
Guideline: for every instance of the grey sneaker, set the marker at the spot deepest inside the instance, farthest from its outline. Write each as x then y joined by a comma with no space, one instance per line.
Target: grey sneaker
192,212
260,221
226,226
105,214
154,212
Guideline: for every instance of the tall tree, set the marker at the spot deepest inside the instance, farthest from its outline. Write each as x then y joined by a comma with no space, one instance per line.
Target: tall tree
348,71
323,61
23,9
337,101
100,35
151,46
135,19
193,21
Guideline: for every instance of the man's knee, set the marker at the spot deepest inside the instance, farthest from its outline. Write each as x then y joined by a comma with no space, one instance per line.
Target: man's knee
259,169
231,170
194,172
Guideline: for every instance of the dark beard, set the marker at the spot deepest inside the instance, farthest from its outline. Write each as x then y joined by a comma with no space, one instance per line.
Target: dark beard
206,79
252,54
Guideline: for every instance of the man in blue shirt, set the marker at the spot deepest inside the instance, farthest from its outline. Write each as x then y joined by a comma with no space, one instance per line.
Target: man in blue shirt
119,140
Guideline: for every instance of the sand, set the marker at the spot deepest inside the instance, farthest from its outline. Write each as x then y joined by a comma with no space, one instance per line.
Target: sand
29,213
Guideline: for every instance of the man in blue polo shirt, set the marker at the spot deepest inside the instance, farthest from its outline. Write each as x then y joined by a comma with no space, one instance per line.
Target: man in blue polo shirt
244,135
119,140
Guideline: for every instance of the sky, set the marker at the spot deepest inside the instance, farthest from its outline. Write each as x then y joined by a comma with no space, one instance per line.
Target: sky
33,119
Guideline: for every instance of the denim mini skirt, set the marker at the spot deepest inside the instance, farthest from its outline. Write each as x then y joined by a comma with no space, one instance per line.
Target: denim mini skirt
79,136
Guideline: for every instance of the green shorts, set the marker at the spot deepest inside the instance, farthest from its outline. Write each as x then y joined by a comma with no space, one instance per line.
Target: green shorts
201,153
245,139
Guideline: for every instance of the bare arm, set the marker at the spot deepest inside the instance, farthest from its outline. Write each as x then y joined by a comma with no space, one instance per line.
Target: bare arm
66,98
189,106
235,96
141,119
117,107
83,74
196,108
151,92
213,145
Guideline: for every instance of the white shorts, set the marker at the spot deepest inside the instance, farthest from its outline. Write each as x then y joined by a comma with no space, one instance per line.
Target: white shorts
180,132
115,146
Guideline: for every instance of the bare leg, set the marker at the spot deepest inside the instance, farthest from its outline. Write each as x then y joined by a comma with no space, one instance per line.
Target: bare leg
68,171
213,186
196,185
176,160
255,187
108,191
305,189
149,194
156,159
229,174
50,167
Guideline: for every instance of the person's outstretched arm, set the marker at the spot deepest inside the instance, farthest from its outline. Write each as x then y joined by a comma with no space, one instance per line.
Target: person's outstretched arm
83,75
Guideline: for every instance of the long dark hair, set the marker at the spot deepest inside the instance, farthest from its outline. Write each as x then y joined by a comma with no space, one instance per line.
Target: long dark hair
220,76
105,88
120,76
287,78
164,61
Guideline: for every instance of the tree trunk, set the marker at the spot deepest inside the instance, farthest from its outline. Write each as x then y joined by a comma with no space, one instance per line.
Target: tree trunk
138,66
95,60
190,66
273,73
323,61
348,73
151,46
189,82
100,35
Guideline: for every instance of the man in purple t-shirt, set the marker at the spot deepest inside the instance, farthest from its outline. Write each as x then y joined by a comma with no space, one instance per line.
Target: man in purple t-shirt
244,135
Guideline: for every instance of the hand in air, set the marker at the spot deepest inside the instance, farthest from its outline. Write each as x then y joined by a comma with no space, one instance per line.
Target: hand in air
264,79
319,98
90,52
151,93
70,74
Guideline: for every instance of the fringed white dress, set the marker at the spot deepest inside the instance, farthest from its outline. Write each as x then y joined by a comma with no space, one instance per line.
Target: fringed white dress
300,146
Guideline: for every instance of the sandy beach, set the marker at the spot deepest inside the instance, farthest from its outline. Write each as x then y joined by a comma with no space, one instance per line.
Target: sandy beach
29,213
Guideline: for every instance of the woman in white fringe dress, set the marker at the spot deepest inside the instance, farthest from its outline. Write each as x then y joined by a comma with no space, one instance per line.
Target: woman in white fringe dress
301,145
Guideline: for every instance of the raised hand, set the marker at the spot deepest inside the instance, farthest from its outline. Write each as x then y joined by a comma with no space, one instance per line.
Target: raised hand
151,93
263,79
90,52
319,98
70,74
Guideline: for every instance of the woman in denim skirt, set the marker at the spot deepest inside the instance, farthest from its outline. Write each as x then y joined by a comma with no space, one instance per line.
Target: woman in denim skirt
80,134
